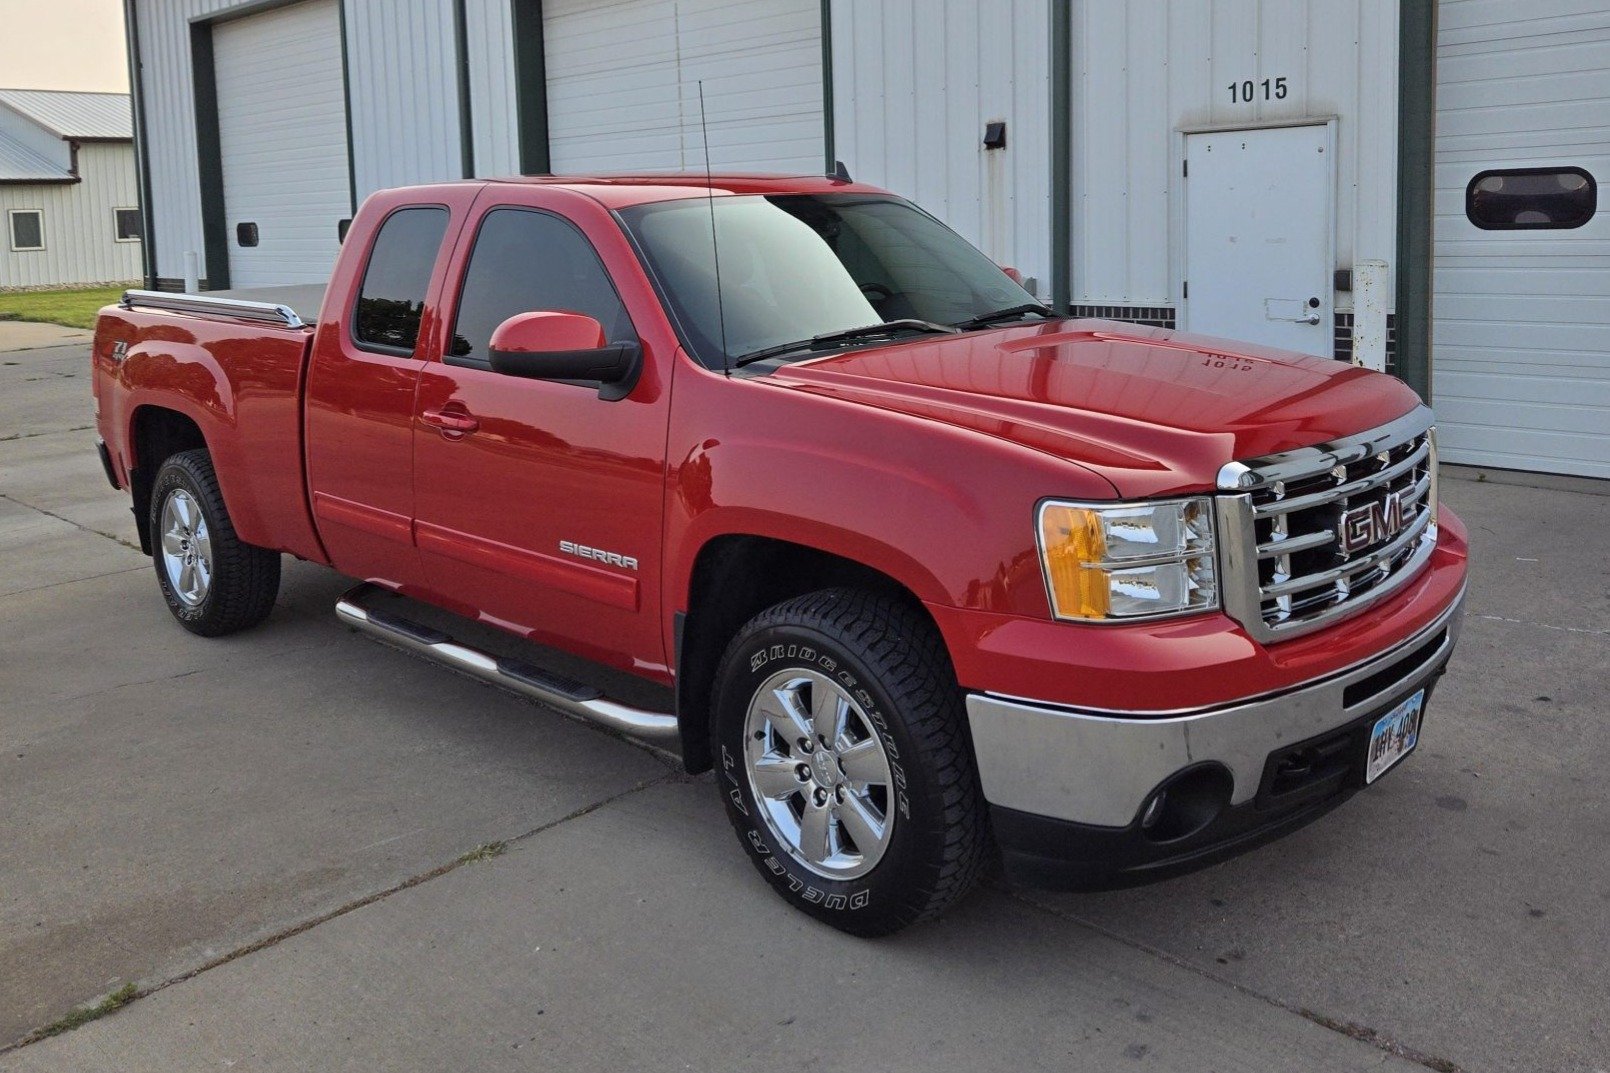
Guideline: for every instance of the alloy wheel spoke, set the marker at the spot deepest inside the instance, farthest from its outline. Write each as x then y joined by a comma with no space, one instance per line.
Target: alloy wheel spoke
181,507
203,575
863,826
829,710
814,826
173,543
775,778
788,714
864,764
187,579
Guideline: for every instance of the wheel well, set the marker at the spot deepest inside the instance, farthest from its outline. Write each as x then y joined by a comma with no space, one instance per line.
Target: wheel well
734,579
158,434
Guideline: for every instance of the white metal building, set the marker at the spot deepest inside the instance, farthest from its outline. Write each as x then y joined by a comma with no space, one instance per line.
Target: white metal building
68,198
1257,169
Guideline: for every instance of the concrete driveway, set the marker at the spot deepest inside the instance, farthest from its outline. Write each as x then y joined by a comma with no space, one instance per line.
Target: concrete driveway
307,851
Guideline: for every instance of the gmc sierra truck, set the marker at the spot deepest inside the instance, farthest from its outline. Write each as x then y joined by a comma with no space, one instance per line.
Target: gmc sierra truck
931,575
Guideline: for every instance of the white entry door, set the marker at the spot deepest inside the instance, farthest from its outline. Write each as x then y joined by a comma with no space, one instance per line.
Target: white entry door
1259,235
282,134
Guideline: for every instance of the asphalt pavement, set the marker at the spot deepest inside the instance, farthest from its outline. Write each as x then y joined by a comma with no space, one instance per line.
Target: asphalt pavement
305,850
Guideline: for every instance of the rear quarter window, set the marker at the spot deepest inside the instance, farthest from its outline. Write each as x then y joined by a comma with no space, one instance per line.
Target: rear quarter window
392,295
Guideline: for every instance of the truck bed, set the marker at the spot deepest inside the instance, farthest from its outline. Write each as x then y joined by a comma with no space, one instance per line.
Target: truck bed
233,371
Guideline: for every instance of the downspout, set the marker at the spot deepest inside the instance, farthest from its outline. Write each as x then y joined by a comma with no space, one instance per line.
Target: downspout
531,87
142,159
1061,155
346,102
829,151
461,56
1417,120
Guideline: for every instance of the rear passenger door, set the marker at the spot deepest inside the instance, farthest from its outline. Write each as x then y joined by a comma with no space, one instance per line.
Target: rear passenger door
545,516
376,322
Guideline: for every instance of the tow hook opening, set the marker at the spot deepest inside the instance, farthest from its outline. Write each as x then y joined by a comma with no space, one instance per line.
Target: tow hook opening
1186,802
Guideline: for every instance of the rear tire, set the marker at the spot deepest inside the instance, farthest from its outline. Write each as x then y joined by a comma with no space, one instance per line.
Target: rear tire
844,761
214,582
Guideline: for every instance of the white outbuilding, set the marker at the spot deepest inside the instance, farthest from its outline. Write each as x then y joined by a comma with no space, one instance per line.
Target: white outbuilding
1410,184
68,197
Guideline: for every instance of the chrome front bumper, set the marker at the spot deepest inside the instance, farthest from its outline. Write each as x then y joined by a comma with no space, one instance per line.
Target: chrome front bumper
1099,769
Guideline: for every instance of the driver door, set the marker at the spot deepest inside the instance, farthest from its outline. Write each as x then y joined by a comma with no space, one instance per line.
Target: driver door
538,504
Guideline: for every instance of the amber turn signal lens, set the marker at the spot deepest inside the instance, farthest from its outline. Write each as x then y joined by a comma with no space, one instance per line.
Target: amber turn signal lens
1072,540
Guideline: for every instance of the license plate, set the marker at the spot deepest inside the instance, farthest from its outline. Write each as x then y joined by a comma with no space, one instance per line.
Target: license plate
1394,736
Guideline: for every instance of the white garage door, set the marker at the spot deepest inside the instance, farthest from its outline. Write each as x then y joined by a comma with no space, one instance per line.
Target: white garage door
282,131
623,84
1522,312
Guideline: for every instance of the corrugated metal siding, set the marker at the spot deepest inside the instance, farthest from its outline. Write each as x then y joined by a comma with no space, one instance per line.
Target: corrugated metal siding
19,162
283,140
80,231
70,114
1521,323
494,116
915,81
404,93
170,117
1143,69
623,84
34,138
404,103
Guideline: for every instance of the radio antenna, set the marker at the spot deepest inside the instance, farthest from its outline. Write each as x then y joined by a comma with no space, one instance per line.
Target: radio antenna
715,246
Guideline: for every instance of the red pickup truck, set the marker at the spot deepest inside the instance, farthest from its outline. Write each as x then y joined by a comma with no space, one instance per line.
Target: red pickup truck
931,574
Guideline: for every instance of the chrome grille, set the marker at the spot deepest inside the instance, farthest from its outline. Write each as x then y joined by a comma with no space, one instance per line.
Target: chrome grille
1314,535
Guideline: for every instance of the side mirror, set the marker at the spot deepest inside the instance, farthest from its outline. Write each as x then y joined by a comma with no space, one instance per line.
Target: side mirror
1012,274
564,346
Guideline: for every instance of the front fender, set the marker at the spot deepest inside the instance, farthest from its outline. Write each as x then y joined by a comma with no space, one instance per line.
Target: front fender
947,512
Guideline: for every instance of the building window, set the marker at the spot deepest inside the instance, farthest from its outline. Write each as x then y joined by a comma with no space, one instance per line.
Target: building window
27,229
392,297
126,224
1531,199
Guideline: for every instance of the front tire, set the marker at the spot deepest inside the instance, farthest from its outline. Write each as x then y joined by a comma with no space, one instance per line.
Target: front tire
214,582
844,761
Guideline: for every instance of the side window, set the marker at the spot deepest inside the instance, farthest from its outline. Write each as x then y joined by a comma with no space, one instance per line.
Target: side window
126,225
27,229
1531,199
526,261
392,295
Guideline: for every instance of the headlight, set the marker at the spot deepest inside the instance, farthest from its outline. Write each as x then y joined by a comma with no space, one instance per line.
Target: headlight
1128,560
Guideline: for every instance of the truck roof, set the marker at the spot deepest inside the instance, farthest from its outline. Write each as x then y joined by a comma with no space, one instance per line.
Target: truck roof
618,191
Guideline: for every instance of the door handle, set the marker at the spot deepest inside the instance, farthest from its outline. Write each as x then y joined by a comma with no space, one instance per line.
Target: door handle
453,423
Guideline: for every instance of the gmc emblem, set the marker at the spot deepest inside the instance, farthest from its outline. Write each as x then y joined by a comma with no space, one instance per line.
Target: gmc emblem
1373,523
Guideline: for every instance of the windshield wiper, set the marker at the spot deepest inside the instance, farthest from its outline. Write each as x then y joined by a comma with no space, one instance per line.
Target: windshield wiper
887,327
1010,312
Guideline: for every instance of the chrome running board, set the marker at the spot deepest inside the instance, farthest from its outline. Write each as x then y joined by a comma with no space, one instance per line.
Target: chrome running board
566,694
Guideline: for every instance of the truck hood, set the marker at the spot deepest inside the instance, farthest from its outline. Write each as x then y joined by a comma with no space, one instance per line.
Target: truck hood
1153,411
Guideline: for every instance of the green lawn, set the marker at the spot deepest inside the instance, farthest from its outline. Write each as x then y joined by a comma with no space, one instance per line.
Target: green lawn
74,308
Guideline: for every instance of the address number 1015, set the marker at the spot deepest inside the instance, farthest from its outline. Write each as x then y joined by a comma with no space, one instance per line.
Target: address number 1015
1270,89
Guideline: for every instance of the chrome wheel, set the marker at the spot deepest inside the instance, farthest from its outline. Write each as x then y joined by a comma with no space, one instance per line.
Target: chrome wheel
818,772
186,548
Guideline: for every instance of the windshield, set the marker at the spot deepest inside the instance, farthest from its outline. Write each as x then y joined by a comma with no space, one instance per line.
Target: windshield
797,266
